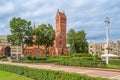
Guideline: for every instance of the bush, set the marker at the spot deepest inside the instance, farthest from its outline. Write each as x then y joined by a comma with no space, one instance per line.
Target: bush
43,58
115,62
35,61
3,57
68,61
60,58
87,58
82,55
42,74
29,58
99,64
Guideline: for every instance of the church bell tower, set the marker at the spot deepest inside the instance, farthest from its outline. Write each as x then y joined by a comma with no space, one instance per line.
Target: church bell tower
60,41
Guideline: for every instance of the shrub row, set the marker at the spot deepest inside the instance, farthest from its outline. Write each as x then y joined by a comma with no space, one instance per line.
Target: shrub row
87,58
3,57
115,62
41,74
99,64
82,55
68,60
35,61
81,61
34,58
61,57
49,58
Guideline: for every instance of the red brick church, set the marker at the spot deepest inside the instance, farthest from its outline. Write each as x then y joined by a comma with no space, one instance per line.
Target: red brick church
59,47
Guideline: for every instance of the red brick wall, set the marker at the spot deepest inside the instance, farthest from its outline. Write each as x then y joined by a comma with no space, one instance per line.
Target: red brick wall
2,51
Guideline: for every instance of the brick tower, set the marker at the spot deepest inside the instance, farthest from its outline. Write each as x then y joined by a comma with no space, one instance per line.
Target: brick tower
60,40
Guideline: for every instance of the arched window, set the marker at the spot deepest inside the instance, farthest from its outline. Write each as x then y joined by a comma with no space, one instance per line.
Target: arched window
8,51
91,46
37,54
60,43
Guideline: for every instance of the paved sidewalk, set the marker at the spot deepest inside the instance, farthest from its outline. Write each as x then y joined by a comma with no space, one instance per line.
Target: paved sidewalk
105,73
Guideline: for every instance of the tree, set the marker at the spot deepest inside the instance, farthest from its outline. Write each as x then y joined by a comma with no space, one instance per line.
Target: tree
45,35
21,32
71,39
77,41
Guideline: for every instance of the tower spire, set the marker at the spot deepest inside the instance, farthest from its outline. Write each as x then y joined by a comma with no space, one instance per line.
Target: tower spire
57,10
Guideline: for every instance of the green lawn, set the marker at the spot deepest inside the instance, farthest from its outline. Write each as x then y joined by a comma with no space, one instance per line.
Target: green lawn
11,76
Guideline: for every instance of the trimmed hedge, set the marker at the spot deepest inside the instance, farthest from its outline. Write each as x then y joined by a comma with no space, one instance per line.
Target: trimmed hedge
68,61
34,58
3,57
35,61
99,64
61,58
42,74
49,58
82,55
115,62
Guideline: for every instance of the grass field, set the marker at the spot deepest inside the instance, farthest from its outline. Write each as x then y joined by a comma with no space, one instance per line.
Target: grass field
11,76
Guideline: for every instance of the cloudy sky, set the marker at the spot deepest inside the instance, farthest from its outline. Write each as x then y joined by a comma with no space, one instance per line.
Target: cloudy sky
88,15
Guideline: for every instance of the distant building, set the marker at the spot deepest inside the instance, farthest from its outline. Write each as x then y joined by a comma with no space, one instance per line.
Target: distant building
8,49
100,48
95,48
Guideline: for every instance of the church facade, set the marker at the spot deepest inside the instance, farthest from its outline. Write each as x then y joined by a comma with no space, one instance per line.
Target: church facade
59,47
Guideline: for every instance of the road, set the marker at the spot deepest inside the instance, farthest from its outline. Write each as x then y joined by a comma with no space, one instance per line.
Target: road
95,72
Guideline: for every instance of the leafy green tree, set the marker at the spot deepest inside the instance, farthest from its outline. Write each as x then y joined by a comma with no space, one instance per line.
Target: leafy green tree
11,39
71,39
21,32
45,35
77,41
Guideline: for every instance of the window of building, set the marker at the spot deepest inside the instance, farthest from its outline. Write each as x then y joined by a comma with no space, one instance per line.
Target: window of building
91,46
60,36
60,43
90,50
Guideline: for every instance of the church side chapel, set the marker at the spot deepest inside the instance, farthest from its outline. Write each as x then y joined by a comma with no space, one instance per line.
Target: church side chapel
59,47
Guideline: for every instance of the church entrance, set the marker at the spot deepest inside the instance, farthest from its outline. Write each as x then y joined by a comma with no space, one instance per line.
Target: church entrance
37,54
7,51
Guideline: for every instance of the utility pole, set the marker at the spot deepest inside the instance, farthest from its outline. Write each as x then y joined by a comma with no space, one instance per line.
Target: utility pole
107,21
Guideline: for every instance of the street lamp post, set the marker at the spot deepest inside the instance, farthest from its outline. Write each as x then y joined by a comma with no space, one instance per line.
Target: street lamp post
107,21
